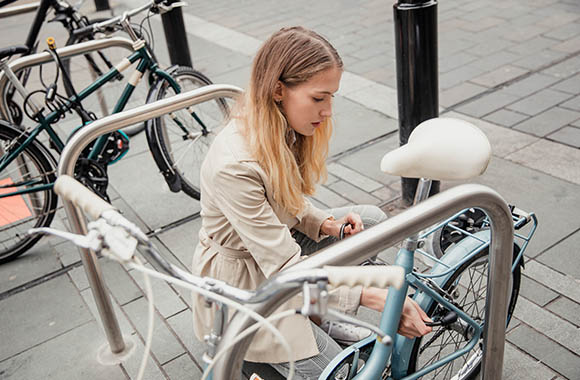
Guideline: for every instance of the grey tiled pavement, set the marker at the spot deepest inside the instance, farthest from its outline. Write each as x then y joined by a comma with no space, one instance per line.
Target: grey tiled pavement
511,67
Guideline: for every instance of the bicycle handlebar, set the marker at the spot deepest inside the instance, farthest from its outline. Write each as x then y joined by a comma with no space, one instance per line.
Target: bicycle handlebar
380,276
72,190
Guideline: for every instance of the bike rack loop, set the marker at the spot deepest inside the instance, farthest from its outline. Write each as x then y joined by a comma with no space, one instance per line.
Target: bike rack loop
76,218
67,51
367,243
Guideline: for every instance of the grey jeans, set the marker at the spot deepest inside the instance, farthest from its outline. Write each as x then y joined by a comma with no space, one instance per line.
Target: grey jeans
311,368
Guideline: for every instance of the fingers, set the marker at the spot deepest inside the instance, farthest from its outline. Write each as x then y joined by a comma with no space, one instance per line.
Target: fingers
355,224
412,323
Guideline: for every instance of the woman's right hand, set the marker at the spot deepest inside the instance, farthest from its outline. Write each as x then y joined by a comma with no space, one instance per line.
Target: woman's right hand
413,318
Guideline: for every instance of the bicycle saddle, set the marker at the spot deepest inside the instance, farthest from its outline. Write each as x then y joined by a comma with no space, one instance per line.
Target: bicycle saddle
440,149
10,51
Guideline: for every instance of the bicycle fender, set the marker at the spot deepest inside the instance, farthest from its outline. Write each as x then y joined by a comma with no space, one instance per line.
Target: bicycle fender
172,179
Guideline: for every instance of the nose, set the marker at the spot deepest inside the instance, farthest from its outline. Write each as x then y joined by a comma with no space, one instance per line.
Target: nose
326,111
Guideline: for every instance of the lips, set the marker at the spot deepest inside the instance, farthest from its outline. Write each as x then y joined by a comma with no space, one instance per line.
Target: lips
316,124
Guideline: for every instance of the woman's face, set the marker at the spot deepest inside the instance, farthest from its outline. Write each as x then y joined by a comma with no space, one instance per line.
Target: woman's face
308,104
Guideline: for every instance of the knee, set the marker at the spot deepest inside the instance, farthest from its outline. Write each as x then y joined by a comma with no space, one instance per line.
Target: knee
372,215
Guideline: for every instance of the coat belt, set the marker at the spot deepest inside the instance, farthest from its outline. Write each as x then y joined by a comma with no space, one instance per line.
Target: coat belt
228,252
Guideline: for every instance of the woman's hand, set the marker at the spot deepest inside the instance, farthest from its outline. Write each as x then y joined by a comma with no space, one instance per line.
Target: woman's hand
331,227
413,318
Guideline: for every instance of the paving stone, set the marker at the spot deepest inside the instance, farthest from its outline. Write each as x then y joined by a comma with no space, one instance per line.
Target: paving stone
530,84
567,135
361,181
549,324
564,69
506,117
536,292
547,351
450,62
532,45
386,194
142,187
329,197
355,125
573,103
30,318
499,76
482,24
563,257
71,355
165,346
457,76
183,326
35,263
558,19
539,60
539,102
569,46
180,243
487,103
548,122
353,193
489,47
167,301
561,283
459,93
133,363
517,365
548,157
182,367
566,309
563,32
367,160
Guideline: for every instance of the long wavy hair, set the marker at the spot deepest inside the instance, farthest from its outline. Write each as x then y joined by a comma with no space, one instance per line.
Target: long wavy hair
291,56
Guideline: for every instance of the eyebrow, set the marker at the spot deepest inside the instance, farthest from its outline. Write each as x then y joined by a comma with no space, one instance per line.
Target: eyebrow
325,92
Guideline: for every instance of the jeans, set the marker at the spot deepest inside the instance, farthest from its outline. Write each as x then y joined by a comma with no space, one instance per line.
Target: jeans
311,368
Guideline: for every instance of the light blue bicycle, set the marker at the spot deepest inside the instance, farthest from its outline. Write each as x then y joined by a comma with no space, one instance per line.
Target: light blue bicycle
453,292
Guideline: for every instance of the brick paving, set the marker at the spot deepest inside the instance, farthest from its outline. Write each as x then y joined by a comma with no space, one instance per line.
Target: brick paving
510,67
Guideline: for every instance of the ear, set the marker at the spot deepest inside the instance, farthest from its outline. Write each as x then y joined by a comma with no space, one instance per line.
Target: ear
278,91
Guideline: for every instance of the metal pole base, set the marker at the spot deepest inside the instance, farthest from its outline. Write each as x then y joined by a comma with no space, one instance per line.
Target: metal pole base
106,357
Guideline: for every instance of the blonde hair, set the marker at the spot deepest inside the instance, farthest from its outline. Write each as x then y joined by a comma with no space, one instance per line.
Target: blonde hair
291,56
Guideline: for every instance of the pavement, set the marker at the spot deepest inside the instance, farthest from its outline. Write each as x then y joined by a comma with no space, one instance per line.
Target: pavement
510,67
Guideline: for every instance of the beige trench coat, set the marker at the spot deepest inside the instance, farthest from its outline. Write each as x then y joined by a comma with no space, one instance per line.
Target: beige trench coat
245,238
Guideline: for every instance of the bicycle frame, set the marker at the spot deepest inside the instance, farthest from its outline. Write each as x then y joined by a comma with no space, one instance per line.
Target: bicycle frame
441,272
144,63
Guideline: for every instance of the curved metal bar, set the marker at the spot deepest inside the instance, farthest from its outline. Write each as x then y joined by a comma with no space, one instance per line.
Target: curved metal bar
369,242
67,51
76,218
18,9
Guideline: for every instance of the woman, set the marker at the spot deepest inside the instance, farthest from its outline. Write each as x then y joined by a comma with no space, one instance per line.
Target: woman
256,220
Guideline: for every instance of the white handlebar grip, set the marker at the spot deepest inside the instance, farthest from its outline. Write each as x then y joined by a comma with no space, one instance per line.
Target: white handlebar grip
379,276
72,190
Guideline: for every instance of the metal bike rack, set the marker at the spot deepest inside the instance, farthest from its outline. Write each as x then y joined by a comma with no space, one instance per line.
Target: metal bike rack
19,9
67,51
76,218
347,252
367,243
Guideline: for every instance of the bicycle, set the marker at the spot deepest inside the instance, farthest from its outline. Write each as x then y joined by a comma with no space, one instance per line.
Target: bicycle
95,63
178,142
455,347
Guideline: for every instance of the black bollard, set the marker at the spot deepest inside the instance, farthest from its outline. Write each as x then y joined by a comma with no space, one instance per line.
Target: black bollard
102,5
176,36
417,73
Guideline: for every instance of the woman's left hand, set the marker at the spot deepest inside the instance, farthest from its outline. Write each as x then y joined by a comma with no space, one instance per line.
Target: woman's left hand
332,227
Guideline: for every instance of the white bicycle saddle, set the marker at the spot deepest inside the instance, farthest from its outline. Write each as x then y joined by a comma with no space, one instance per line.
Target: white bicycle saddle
440,149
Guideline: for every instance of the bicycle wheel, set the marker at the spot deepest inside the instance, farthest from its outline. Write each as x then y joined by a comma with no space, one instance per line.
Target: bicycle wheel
468,286
180,137
103,101
33,167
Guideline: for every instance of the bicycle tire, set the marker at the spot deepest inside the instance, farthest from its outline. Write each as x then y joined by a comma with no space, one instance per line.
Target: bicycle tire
98,101
443,340
20,213
178,137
